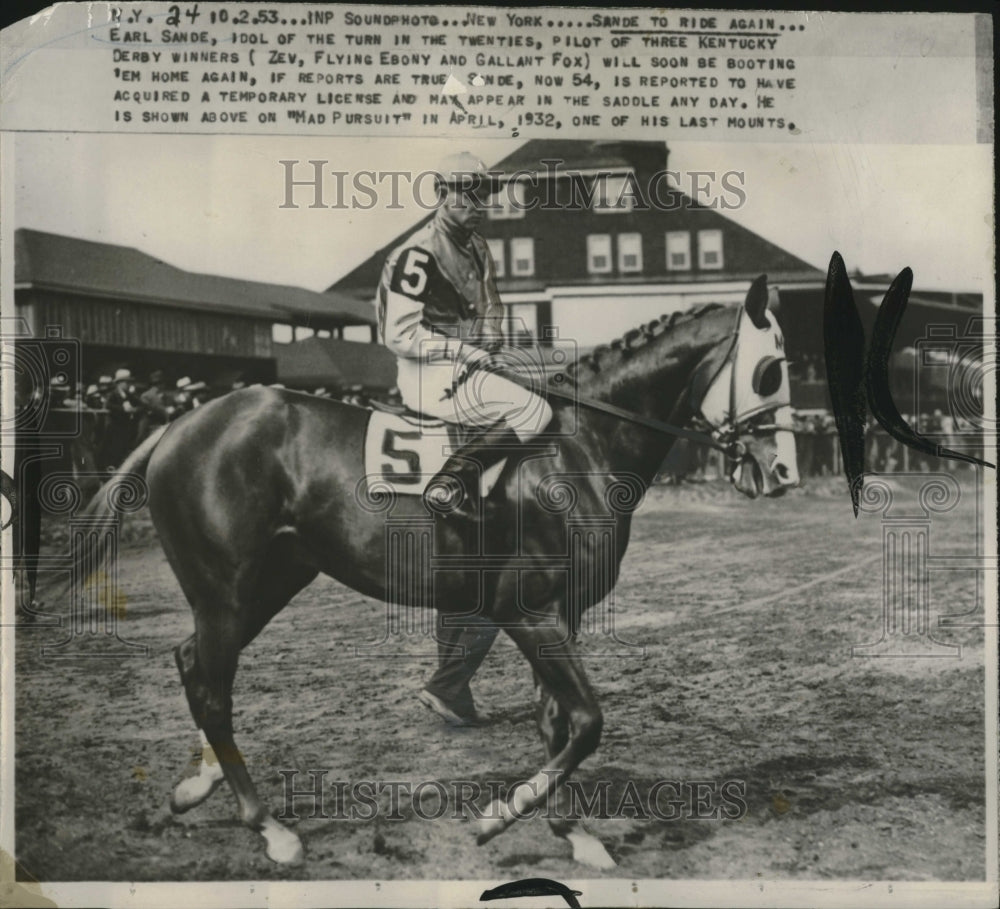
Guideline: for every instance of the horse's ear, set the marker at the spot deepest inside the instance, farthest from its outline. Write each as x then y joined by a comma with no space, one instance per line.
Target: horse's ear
756,302
773,300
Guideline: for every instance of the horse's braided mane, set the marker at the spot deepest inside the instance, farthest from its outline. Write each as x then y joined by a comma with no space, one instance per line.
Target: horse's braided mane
639,337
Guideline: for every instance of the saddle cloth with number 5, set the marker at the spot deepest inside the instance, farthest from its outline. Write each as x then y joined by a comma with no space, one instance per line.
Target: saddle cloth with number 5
405,451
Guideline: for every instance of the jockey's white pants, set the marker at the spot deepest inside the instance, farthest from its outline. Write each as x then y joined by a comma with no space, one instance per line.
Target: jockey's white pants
450,391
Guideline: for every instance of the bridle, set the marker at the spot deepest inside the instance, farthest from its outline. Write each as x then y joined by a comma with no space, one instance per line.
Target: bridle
723,435
742,418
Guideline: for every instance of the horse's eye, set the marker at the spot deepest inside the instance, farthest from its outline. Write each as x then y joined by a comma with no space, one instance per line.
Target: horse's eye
767,377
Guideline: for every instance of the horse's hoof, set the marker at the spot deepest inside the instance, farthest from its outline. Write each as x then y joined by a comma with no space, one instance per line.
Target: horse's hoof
195,789
588,850
283,846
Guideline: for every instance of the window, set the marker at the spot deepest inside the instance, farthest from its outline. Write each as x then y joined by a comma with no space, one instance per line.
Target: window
281,334
608,189
710,249
599,254
509,202
496,250
678,250
522,256
629,253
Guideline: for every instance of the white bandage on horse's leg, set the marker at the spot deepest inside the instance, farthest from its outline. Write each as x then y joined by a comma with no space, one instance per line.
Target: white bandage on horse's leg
195,789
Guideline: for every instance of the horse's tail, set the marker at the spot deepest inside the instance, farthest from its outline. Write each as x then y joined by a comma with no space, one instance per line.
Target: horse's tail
124,492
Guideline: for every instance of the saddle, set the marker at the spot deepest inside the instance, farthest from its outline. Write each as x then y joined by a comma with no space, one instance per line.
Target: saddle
405,449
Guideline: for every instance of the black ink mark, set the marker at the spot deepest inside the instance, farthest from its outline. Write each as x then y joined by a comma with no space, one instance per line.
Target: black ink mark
10,494
532,886
855,381
880,401
844,347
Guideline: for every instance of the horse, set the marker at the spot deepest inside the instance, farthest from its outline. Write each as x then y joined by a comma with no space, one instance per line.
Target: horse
256,493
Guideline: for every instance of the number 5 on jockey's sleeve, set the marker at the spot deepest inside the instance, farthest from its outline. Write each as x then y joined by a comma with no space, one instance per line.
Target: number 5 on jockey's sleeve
416,301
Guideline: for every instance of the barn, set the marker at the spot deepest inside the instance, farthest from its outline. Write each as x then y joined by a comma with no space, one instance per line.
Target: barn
126,308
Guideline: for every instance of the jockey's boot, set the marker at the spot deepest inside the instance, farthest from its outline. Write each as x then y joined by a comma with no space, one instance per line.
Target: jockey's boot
454,491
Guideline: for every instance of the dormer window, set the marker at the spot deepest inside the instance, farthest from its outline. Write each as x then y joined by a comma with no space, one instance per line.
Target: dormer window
599,254
499,259
522,256
629,253
678,250
709,249
612,193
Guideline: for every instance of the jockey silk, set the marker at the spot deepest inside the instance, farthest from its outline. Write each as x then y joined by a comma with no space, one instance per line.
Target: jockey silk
436,294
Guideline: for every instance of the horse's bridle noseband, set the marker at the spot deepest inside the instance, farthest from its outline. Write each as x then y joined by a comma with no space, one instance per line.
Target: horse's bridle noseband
728,433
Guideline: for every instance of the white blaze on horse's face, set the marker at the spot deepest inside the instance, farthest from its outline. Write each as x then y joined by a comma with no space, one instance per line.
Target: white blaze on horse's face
752,394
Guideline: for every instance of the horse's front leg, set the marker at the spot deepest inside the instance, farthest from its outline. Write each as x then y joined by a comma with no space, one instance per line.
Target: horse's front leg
560,671
553,725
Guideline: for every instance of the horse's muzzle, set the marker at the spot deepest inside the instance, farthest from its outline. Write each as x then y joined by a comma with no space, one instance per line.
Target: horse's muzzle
783,471
774,477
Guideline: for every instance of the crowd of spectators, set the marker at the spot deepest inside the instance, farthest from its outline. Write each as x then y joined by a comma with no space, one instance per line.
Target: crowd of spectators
817,447
126,409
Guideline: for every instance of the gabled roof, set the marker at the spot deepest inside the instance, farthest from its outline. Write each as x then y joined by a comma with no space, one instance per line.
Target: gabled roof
56,262
573,155
580,155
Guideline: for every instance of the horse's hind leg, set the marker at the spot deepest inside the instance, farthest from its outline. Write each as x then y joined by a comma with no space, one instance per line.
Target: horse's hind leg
553,725
207,664
194,790
208,682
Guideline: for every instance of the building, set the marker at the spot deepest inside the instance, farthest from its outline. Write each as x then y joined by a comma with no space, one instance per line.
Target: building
126,308
583,249
591,239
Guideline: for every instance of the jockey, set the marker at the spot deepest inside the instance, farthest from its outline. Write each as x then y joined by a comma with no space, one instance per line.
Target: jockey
440,314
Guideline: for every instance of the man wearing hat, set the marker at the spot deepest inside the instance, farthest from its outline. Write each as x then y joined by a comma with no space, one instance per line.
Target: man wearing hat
93,397
58,393
122,409
157,409
440,314
185,398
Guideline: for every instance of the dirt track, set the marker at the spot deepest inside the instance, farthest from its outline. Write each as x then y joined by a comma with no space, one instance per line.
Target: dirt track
854,768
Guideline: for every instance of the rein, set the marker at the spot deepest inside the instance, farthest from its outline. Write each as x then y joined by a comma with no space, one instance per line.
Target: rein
692,435
724,438
729,447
